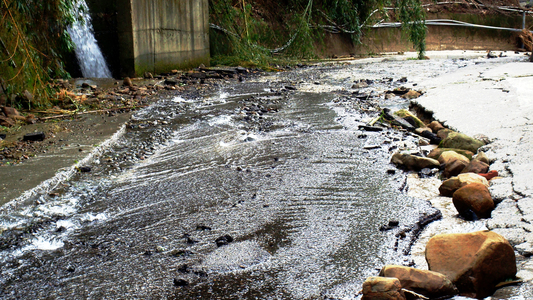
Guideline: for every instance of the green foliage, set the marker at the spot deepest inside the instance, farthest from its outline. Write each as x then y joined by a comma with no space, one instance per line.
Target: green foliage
240,38
241,34
32,38
412,17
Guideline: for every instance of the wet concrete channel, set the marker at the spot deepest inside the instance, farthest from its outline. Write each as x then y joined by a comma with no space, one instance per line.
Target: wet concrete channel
266,189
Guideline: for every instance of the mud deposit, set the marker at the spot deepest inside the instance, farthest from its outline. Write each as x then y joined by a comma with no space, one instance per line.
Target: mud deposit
265,189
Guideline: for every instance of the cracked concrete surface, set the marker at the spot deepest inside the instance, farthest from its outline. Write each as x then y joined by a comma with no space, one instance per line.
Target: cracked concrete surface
495,98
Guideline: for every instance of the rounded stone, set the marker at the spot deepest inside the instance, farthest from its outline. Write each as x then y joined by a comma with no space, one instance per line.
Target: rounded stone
383,288
475,262
475,198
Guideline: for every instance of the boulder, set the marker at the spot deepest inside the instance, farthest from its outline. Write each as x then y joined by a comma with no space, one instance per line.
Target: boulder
428,283
428,134
451,185
476,166
412,94
454,163
454,168
473,198
382,288
435,153
482,157
421,130
405,114
475,262
423,142
412,162
461,141
448,157
435,126
443,133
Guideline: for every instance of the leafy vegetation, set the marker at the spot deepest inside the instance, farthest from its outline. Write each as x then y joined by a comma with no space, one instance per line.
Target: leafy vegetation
33,38
412,17
244,32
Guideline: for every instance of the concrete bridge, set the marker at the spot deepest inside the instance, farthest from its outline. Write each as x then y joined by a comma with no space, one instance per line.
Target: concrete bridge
156,36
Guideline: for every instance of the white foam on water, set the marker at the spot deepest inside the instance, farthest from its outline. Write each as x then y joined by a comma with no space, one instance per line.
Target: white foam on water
62,175
224,95
179,99
42,243
67,224
225,144
66,207
92,217
220,120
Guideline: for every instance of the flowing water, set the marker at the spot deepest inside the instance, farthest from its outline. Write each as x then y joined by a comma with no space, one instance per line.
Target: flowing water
90,58
283,176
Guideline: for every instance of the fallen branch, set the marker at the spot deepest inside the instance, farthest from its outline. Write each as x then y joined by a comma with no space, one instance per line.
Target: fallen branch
91,112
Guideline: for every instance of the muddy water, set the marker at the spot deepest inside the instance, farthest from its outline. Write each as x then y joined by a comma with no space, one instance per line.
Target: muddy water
275,166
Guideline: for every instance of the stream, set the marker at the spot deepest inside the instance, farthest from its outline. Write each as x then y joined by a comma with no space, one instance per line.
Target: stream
264,189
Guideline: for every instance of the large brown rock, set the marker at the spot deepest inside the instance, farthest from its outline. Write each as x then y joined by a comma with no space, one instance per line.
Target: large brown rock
476,166
382,288
448,157
421,130
443,133
475,262
454,163
435,126
448,187
412,94
473,198
413,162
481,156
461,141
428,283
453,169
436,153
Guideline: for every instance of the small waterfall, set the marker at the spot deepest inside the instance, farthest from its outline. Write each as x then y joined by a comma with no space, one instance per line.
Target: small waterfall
90,58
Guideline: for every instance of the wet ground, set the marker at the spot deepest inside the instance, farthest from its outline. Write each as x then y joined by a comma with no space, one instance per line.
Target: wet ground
264,189
67,142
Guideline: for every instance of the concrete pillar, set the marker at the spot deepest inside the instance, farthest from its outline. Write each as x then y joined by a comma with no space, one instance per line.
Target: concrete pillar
160,35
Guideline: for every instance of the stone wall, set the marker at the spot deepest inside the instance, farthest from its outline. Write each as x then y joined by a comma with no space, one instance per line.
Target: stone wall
165,34
156,36
438,37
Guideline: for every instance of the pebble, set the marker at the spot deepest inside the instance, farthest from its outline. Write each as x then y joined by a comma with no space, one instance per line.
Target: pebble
35,136
180,282
224,240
